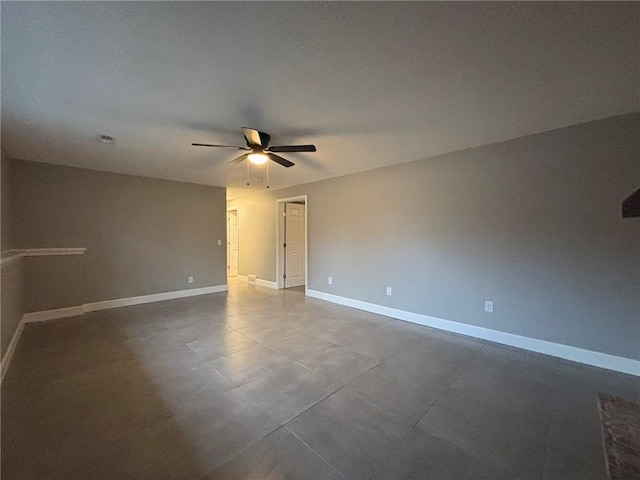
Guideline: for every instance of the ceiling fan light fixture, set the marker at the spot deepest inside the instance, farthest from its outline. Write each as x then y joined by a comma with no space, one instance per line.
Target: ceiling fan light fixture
258,158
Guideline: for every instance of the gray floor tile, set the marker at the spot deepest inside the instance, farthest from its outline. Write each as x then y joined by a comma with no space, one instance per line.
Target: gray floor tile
69,421
268,332
133,457
197,329
184,392
566,461
409,333
197,443
298,345
288,390
246,365
503,447
445,359
338,362
25,454
278,456
59,360
405,393
336,330
496,414
245,319
178,389
380,344
421,455
514,384
350,432
223,344
583,381
574,448
149,342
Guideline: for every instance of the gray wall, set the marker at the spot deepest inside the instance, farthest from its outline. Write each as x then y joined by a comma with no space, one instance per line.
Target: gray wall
533,224
6,217
12,302
11,275
143,236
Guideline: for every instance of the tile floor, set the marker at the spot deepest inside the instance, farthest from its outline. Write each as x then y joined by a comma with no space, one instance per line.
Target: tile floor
256,383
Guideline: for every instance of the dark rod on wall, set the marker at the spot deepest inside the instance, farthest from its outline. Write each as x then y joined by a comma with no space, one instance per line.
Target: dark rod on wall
631,205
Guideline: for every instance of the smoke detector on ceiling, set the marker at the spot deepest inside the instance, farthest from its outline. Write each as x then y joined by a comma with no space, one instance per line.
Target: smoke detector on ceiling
107,139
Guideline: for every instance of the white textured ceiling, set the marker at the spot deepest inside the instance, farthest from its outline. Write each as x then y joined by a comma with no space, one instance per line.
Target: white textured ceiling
370,84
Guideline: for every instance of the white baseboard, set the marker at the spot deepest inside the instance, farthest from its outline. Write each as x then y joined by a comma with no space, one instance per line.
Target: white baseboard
119,302
156,297
91,307
45,315
11,349
266,283
575,354
260,282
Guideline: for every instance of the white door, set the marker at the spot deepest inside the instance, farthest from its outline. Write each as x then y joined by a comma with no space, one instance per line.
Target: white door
232,243
295,244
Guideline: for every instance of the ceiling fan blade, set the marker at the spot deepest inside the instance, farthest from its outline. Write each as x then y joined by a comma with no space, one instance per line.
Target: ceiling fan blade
219,146
255,137
282,161
293,148
239,159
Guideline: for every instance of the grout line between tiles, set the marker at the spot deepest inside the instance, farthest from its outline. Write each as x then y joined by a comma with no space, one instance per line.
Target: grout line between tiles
249,445
314,451
319,401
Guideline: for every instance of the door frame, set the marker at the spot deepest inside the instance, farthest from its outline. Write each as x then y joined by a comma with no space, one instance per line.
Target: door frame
230,209
279,201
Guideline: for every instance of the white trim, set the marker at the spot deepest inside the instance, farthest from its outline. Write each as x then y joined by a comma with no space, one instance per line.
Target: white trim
237,210
6,360
45,315
39,252
91,307
278,282
260,282
10,256
266,283
119,302
156,297
575,354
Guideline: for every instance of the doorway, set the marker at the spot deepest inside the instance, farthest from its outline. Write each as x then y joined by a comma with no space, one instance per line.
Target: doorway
291,242
233,243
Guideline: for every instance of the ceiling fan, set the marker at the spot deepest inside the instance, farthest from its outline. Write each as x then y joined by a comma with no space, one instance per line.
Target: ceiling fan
260,151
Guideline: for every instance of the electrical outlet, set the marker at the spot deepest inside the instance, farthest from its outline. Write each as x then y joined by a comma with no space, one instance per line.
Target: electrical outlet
190,279
219,242
330,280
389,291
488,306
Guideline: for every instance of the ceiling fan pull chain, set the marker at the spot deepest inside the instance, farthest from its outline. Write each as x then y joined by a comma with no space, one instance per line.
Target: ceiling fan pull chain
268,174
248,173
